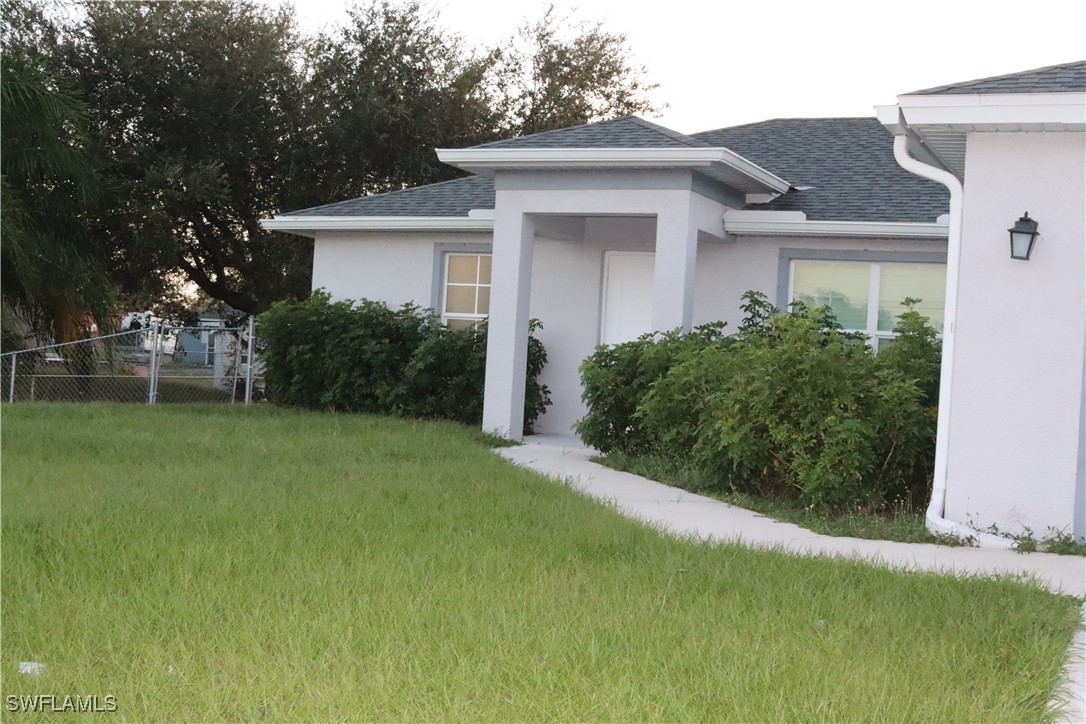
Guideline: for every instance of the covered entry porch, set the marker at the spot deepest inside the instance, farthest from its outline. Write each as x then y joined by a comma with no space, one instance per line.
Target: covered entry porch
593,267
567,222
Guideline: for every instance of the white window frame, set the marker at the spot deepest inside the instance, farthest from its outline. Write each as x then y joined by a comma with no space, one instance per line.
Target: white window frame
475,318
874,276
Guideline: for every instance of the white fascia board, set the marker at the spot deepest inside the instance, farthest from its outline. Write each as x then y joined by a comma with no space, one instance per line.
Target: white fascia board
1067,109
743,215
485,161
770,223
309,225
890,117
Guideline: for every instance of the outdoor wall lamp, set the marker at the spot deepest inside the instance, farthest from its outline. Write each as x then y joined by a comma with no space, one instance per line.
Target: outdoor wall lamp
1023,236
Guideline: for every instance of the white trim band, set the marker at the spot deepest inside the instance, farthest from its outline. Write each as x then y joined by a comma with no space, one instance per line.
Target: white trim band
795,223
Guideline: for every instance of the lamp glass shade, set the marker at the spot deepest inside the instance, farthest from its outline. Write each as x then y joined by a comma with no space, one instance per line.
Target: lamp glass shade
1023,237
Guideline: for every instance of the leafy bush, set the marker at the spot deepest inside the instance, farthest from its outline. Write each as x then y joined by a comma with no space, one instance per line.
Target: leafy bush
672,413
916,352
447,372
809,412
617,378
366,357
340,355
792,407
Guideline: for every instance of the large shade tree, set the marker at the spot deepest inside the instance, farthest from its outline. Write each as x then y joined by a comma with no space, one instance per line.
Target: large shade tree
197,111
206,117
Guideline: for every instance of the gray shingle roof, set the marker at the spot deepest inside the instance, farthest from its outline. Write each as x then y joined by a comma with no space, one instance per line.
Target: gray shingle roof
448,198
629,132
1064,78
849,162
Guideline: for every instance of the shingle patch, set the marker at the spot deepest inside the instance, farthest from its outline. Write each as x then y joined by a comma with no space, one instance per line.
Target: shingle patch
448,198
849,162
1064,78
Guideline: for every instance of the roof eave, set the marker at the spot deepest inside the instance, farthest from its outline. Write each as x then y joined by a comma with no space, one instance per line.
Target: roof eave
937,125
487,161
308,226
997,111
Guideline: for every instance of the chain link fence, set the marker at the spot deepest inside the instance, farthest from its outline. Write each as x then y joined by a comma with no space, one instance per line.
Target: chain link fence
160,364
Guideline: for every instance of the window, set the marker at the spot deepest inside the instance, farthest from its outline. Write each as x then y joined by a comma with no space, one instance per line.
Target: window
466,299
866,297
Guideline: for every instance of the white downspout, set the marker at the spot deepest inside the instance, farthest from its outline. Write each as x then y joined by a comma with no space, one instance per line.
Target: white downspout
936,523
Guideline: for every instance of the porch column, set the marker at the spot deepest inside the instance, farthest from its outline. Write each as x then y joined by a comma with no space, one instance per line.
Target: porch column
676,257
507,336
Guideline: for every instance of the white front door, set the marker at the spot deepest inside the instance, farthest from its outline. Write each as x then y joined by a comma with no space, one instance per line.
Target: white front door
627,295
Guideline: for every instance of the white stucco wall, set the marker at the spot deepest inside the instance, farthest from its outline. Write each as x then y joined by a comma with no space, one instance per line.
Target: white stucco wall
394,267
1015,437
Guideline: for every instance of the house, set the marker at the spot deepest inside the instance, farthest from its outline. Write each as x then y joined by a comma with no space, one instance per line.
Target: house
609,230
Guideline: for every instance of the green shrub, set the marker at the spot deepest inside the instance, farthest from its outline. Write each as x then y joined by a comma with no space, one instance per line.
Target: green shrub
340,355
792,407
445,378
617,378
916,355
916,352
809,413
672,413
366,357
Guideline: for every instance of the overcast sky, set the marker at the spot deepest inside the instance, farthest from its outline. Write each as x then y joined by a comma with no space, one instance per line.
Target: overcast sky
722,63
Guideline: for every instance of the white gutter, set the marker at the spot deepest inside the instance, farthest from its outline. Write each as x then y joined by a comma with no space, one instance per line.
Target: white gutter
771,223
996,111
485,161
308,225
936,523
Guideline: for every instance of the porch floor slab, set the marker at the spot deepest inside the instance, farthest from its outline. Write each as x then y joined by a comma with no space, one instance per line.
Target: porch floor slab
683,513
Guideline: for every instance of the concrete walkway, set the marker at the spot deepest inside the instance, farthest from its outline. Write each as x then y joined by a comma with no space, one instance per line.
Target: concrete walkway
687,514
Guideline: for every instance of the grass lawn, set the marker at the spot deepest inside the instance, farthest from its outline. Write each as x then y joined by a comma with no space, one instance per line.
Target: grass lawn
227,563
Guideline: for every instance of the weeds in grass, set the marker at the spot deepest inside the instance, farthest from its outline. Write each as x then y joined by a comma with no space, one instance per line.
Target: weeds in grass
1060,542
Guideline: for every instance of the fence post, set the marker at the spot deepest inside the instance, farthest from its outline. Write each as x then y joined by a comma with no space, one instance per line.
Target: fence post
11,383
237,368
152,371
249,365
160,347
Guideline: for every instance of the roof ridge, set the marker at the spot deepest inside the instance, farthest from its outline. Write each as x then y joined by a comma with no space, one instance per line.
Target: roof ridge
525,141
552,130
664,130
